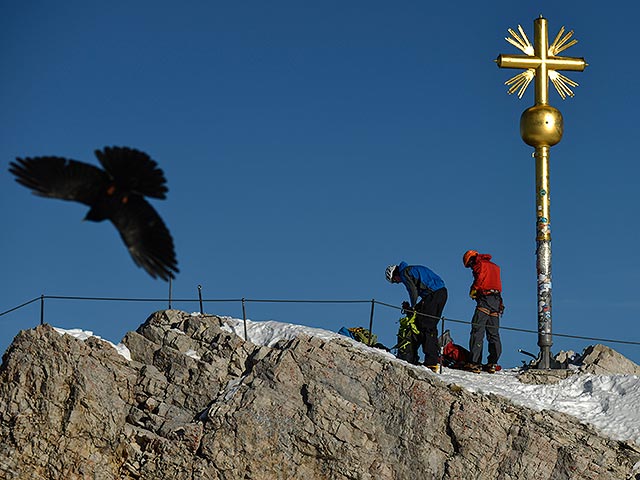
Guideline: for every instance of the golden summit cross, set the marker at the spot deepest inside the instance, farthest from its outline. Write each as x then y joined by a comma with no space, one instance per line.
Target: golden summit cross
541,62
542,126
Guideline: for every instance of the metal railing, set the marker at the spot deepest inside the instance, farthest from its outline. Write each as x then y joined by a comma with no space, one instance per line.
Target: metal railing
244,301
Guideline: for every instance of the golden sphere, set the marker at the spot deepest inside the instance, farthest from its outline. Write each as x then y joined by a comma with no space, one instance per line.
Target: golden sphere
541,126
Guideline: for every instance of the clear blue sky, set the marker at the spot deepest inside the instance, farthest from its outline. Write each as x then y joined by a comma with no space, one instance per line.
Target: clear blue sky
307,145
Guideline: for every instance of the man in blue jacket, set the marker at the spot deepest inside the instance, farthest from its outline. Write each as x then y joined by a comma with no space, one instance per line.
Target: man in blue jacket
424,284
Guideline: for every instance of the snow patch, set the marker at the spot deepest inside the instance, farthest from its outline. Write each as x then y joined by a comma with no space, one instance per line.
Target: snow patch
610,403
193,354
121,348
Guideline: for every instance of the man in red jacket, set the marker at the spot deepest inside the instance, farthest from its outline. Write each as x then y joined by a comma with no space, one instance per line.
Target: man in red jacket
486,290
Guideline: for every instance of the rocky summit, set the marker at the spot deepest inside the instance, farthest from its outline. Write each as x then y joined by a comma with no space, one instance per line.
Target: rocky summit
198,402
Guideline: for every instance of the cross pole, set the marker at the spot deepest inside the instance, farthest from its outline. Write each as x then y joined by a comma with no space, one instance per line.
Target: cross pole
541,127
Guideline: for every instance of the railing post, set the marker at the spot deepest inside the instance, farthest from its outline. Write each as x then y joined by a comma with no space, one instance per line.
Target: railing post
244,320
41,309
373,303
200,298
170,285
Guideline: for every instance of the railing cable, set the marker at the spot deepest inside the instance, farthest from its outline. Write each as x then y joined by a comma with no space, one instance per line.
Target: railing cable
243,301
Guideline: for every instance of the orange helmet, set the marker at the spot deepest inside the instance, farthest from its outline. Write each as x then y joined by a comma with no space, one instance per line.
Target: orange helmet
468,255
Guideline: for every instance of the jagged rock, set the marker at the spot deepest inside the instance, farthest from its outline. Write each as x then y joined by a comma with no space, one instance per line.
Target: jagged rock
544,377
198,402
595,359
565,358
602,360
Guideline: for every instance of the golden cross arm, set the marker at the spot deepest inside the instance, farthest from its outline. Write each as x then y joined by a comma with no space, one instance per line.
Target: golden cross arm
553,63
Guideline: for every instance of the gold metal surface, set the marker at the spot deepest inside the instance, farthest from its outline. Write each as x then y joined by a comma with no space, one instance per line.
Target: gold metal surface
542,126
540,60
543,200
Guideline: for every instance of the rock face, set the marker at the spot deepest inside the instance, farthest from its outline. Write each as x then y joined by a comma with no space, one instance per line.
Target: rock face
198,402
595,359
601,360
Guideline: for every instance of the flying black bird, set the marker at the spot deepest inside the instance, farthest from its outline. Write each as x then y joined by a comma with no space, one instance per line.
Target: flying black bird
115,193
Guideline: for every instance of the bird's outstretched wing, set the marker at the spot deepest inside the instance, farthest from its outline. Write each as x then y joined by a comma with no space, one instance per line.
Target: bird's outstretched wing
58,177
146,236
133,171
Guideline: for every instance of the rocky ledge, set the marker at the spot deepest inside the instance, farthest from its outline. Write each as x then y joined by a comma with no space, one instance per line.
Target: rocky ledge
198,402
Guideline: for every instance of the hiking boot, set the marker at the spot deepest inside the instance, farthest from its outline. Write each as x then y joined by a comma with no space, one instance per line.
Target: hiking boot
434,368
490,368
473,367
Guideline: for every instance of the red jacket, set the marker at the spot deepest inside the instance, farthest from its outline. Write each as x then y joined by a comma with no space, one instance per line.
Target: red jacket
486,274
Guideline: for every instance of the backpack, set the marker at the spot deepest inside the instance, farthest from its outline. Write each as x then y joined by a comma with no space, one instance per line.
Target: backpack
406,332
454,354
362,335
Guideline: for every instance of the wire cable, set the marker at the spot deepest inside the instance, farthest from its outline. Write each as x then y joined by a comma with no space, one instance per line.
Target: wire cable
20,306
190,300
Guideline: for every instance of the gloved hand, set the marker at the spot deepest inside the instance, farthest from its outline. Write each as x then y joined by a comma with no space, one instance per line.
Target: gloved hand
473,293
406,307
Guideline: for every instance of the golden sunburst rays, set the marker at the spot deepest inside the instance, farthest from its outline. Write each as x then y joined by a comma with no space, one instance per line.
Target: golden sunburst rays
519,83
562,84
520,41
560,44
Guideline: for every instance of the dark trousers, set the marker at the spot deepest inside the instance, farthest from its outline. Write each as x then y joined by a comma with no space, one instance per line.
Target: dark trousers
429,310
483,323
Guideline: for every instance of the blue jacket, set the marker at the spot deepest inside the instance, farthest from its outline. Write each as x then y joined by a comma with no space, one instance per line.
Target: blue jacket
420,281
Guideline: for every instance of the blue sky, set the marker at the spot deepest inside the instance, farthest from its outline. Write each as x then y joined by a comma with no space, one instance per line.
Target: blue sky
309,145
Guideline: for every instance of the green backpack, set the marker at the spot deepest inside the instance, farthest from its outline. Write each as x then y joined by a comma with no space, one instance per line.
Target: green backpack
406,332
363,335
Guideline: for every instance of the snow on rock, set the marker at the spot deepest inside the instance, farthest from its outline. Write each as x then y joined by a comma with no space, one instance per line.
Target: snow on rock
193,354
121,348
610,403
270,332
